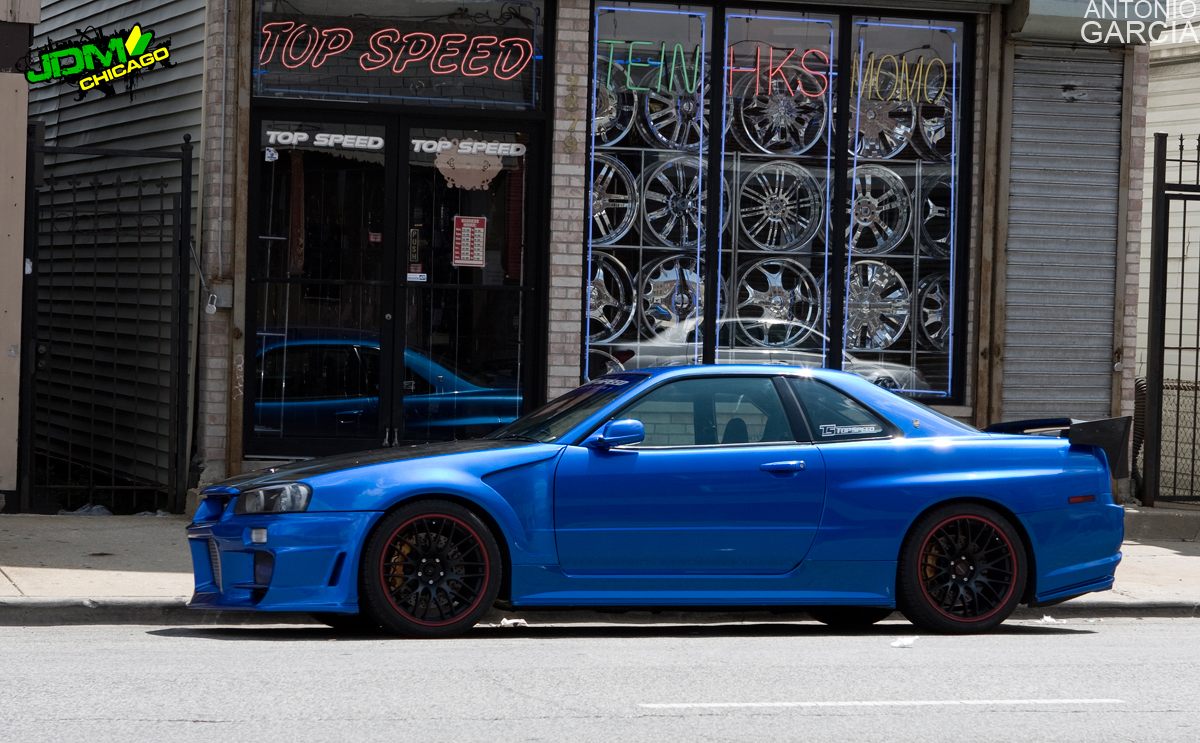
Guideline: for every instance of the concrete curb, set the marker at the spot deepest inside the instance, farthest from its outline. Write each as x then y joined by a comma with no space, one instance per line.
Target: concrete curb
155,611
19,612
1162,524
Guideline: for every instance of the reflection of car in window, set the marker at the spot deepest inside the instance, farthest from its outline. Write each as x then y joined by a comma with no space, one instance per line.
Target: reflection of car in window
325,382
667,350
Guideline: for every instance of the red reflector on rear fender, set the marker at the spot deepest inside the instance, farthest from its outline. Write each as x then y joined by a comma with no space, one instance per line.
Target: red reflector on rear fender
1081,498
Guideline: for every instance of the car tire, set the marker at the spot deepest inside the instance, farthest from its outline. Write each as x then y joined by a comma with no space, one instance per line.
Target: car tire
962,570
430,569
849,617
350,624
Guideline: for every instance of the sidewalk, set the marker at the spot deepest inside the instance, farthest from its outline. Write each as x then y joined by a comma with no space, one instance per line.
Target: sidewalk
137,569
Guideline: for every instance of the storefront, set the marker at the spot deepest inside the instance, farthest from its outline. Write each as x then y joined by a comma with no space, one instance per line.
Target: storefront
739,215
397,236
429,238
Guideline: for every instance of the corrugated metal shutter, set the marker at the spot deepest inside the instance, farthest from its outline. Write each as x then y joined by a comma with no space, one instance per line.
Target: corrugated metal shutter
103,397
1062,233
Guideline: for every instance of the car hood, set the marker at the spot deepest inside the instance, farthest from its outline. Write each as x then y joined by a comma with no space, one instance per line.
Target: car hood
316,467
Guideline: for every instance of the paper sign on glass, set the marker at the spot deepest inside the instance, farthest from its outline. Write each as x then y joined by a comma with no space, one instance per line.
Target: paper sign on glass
469,236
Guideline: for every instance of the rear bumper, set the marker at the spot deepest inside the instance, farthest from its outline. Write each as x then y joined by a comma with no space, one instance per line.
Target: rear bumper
309,562
1076,549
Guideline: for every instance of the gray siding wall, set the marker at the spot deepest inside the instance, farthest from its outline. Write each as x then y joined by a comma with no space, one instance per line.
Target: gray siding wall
165,104
1064,196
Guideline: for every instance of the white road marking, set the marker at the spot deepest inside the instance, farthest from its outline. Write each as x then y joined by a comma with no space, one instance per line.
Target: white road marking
883,703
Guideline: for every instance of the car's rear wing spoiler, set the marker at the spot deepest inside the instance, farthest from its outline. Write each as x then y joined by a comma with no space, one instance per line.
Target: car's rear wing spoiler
1110,434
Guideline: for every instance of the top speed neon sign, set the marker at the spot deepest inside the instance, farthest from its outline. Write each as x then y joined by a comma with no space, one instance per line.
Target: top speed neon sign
300,46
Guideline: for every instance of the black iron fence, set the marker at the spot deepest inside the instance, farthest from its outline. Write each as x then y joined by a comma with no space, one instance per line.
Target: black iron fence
1172,390
104,398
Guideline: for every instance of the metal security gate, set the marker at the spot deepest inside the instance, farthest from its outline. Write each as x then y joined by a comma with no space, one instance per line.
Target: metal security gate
1172,422
104,394
1061,251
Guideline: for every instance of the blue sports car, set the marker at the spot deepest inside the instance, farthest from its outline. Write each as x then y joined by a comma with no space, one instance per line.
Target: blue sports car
700,487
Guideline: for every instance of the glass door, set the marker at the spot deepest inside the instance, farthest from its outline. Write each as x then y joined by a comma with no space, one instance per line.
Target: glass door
465,307
321,280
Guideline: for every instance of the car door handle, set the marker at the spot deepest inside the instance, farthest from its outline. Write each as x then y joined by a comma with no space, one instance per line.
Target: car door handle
793,466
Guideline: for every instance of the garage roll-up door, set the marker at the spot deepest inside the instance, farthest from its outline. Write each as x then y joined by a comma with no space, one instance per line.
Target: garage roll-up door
1062,233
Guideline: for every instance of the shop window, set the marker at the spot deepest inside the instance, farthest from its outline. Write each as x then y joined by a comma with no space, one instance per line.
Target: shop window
688,265
465,54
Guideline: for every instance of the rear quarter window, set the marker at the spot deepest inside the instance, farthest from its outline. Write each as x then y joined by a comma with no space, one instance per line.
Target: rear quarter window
833,416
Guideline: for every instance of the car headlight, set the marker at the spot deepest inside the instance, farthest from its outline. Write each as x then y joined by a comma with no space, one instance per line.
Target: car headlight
289,498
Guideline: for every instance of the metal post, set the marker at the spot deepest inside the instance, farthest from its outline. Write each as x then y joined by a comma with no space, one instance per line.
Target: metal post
181,285
712,224
1156,335
25,432
839,246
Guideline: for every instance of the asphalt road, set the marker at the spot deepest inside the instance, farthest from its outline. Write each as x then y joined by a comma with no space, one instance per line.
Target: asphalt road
1116,680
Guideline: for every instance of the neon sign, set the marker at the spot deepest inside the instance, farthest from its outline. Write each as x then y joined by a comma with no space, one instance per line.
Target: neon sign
674,60
923,82
300,46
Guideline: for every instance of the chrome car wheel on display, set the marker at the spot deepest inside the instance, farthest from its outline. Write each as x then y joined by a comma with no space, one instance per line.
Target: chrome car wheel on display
935,206
779,117
601,363
610,298
778,303
933,311
779,206
884,127
880,211
614,200
615,104
671,118
877,306
671,297
935,117
674,201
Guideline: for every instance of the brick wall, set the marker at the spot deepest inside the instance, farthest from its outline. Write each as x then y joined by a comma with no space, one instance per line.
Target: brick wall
1133,225
567,205
216,229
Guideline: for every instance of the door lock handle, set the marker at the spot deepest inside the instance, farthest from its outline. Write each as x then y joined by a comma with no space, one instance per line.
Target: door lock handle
793,466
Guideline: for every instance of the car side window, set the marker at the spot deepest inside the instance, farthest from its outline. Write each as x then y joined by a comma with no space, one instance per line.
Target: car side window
710,411
310,372
833,416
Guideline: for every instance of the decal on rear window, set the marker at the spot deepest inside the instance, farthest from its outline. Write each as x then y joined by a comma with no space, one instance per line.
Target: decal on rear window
834,430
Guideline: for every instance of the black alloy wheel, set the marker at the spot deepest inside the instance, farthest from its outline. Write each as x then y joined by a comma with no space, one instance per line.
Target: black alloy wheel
962,569
849,617
430,569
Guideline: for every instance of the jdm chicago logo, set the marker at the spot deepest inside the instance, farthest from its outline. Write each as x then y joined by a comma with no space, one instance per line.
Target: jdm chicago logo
97,60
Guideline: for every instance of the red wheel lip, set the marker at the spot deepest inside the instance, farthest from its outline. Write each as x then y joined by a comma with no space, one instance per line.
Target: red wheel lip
487,567
1011,551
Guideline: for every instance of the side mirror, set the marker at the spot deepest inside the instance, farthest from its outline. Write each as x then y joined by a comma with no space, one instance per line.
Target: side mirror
617,433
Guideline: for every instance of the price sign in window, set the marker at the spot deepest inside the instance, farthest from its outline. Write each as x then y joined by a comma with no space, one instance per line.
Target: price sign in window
470,234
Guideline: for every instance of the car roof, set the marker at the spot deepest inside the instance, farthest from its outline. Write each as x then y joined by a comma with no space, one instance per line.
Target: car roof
911,418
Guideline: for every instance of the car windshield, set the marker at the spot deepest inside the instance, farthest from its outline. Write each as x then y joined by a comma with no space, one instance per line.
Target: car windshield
549,422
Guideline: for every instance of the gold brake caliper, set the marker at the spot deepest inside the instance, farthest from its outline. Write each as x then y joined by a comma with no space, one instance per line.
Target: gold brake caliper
398,555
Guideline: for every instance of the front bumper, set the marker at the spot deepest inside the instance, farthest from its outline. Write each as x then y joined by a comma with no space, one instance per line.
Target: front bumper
309,561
